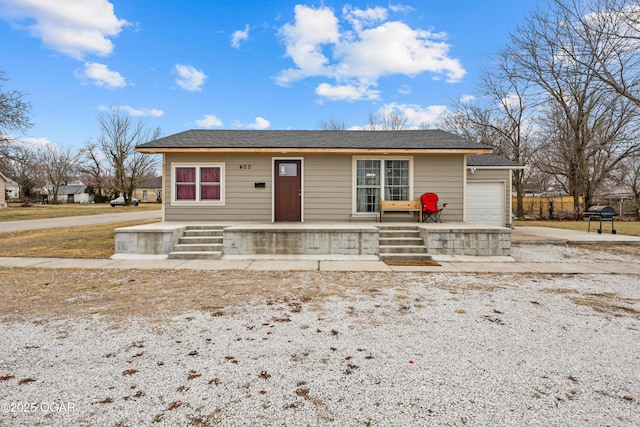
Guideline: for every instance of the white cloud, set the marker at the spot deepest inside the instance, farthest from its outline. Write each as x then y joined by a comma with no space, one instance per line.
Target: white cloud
190,78
239,36
375,47
37,142
102,75
511,101
209,121
466,99
400,8
395,48
139,112
404,89
346,92
417,116
312,29
259,123
73,27
360,18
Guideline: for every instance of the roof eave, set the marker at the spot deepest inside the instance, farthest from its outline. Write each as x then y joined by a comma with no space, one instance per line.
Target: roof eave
283,150
496,167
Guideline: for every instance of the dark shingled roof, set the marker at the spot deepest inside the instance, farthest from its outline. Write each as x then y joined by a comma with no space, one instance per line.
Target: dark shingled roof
491,160
152,183
292,139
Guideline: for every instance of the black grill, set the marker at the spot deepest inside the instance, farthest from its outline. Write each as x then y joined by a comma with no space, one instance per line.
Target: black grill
602,213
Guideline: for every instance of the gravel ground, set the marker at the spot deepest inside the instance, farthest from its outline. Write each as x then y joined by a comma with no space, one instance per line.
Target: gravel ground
575,253
406,349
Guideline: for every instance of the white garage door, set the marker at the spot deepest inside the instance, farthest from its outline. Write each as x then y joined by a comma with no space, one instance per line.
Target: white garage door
485,203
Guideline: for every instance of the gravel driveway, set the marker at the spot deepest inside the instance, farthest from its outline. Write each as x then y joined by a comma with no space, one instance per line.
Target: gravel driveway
338,349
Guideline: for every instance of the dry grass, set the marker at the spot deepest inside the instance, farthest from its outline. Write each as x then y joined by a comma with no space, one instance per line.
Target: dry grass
607,303
27,293
627,228
479,286
90,241
619,250
14,212
40,295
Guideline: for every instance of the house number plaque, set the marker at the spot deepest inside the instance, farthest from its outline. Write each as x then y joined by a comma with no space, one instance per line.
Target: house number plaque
245,166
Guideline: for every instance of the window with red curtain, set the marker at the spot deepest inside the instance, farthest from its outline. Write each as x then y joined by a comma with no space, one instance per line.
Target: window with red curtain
209,183
198,183
186,183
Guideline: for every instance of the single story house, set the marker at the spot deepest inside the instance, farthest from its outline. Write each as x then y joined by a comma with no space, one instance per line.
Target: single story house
300,176
11,189
3,181
310,177
149,191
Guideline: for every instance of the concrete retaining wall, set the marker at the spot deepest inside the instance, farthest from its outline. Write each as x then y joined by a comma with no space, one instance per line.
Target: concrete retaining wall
301,240
149,239
317,239
472,242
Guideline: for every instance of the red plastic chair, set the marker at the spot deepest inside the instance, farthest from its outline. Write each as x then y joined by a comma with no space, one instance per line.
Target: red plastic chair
430,210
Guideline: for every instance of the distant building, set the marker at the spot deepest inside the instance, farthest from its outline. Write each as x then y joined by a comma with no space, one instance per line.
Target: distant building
3,181
149,191
74,193
12,189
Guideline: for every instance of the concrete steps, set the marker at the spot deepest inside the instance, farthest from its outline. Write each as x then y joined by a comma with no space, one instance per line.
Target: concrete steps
199,242
400,242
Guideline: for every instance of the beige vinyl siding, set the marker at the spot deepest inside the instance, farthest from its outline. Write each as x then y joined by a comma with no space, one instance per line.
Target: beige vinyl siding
495,175
443,175
242,200
328,188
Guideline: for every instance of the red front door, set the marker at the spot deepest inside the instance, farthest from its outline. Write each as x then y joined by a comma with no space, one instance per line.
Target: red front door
288,190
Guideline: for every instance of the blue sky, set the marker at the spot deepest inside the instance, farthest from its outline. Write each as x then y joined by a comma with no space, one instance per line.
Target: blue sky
245,64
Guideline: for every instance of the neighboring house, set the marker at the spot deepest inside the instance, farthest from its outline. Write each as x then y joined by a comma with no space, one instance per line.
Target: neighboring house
3,181
149,191
488,190
12,189
313,176
75,193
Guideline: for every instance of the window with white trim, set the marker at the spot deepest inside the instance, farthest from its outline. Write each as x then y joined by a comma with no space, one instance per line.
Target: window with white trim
198,183
376,178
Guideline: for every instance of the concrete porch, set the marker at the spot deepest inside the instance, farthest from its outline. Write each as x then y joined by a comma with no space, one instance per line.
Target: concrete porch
363,241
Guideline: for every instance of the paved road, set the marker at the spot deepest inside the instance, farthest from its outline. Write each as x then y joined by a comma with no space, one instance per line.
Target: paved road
74,221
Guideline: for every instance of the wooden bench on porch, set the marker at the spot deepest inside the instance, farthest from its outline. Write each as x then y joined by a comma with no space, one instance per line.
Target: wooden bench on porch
401,206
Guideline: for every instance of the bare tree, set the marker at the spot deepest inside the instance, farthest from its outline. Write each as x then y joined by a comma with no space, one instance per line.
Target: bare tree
606,41
628,175
24,168
120,135
92,165
14,114
58,166
588,126
333,124
387,121
503,118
